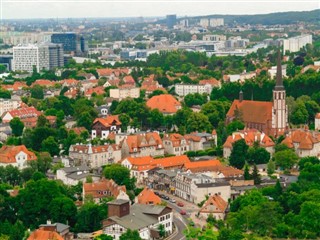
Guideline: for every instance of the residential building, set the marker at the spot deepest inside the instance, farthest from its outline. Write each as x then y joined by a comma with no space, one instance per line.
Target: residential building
185,89
140,166
17,156
268,117
201,141
7,105
44,56
195,187
162,179
215,206
125,91
165,103
102,127
214,37
73,175
202,166
95,156
105,188
175,144
16,86
294,44
273,71
62,229
140,145
147,196
22,113
305,142
317,122
143,218
251,136
49,233
216,22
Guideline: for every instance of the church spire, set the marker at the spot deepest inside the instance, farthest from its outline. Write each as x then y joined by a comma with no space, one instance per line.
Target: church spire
279,82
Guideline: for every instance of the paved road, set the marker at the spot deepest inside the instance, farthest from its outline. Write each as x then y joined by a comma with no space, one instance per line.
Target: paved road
180,222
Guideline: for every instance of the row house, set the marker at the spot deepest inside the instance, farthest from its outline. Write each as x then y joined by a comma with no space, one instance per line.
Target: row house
7,105
140,166
175,144
102,127
195,187
22,113
140,217
17,156
95,156
251,136
71,176
143,144
162,179
105,188
304,142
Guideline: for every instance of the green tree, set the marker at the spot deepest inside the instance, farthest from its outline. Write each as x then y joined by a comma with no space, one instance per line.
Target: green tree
255,175
238,154
286,158
130,234
63,210
37,92
271,167
125,120
16,126
162,231
246,174
42,121
258,155
120,174
234,126
50,145
198,122
5,94
103,237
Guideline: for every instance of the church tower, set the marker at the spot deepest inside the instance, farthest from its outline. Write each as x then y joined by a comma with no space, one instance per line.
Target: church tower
279,108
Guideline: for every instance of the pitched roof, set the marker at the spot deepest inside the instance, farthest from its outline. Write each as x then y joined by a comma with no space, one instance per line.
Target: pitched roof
108,121
15,86
304,138
95,149
98,90
214,204
8,153
42,234
252,111
138,141
165,103
175,138
212,81
147,196
202,166
43,83
317,116
99,189
25,112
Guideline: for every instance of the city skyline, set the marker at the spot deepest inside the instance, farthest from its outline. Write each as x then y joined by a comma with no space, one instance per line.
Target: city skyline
26,9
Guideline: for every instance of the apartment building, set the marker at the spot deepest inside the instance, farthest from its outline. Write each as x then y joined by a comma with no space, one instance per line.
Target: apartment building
214,37
7,105
185,89
294,44
17,156
125,91
175,144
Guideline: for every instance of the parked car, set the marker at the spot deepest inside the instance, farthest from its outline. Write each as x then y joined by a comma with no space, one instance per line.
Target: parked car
157,193
172,200
183,212
180,204
162,196
166,197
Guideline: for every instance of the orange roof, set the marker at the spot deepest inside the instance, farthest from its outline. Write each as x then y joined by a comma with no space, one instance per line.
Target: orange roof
303,137
15,86
43,83
147,196
317,116
105,72
108,121
25,112
129,79
175,138
95,149
228,171
143,140
214,204
70,82
165,103
147,163
8,153
250,136
78,130
202,166
252,111
212,81
99,189
97,90
42,234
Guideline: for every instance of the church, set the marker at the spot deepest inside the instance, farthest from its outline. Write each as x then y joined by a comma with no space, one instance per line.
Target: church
268,117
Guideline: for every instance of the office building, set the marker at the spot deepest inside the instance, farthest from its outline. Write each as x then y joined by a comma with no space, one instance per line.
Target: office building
43,56
171,20
294,44
72,42
6,60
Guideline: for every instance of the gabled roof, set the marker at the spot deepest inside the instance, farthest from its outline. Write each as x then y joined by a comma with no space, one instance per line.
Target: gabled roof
108,121
202,166
165,103
303,137
138,141
252,111
97,189
214,204
43,83
212,81
147,196
25,112
175,138
8,153
98,90
42,234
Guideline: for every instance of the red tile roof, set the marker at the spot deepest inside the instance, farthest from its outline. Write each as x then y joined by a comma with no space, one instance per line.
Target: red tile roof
175,138
202,166
25,112
97,90
8,153
103,188
15,86
147,196
42,234
212,81
305,139
214,204
108,121
43,83
165,103
143,140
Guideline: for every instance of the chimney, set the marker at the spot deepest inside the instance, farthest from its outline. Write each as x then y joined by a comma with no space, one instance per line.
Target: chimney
240,96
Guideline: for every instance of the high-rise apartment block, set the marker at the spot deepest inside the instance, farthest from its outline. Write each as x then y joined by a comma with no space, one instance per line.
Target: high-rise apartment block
294,44
43,56
211,22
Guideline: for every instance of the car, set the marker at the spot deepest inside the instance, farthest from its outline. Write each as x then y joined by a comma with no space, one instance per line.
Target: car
166,197
157,193
183,212
180,204
172,200
163,196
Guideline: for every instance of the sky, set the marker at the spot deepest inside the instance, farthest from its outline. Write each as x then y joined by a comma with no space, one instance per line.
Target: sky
21,9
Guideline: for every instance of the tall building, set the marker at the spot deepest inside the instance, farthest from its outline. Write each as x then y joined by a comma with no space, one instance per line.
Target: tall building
42,56
171,20
72,42
216,22
6,60
294,44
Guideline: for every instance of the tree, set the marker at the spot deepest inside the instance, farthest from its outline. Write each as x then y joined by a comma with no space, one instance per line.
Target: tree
162,230
307,160
271,167
246,174
50,145
16,126
255,175
120,174
5,94
85,120
155,118
234,126
125,120
63,210
42,121
2,68
258,155
286,158
195,99
37,92
238,154
198,122
130,234
103,237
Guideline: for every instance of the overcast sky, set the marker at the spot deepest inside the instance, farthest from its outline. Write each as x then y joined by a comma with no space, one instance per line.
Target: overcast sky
136,8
